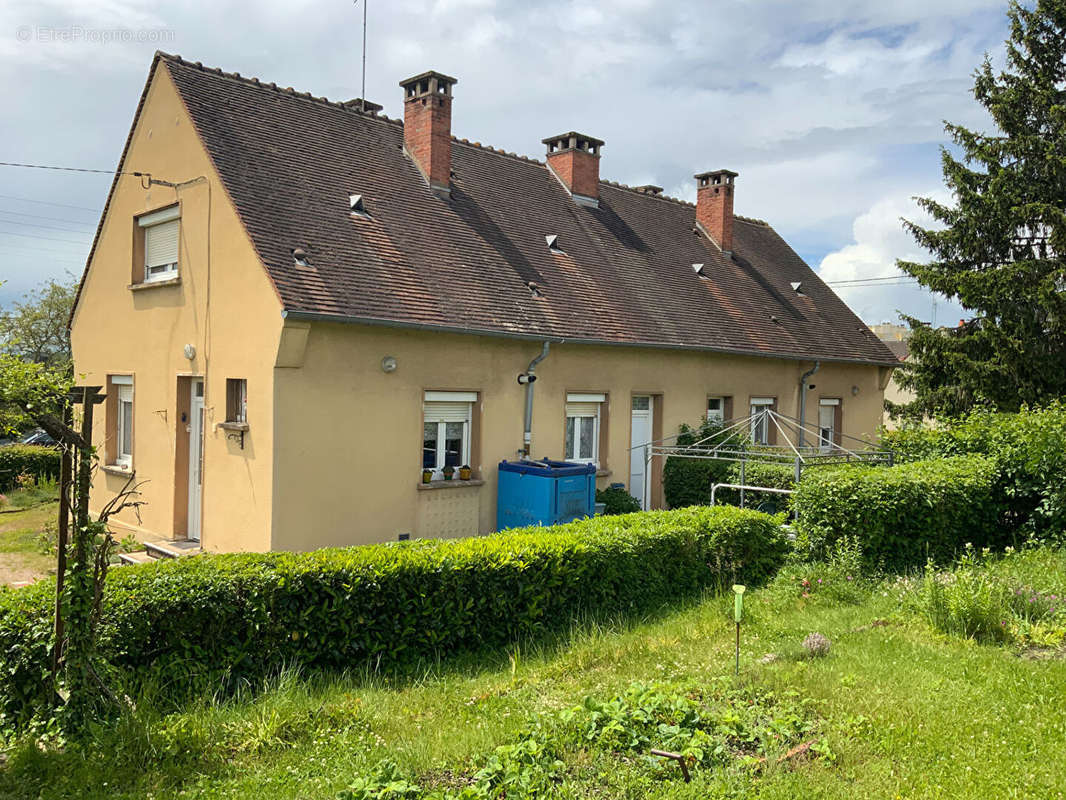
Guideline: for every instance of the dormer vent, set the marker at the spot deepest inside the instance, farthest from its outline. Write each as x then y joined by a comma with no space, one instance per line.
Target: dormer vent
698,269
553,243
300,258
797,287
356,206
534,288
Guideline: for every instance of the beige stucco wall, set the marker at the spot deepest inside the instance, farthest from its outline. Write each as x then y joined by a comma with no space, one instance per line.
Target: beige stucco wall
348,436
894,394
227,309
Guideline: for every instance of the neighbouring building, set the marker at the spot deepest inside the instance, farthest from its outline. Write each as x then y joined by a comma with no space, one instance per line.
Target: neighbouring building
297,305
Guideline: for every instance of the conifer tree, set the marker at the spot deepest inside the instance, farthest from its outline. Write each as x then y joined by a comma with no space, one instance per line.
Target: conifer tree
999,246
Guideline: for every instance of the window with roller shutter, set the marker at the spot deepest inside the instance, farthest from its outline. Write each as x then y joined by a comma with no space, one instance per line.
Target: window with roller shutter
161,243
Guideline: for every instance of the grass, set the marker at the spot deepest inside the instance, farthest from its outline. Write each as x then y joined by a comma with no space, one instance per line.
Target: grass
908,712
20,555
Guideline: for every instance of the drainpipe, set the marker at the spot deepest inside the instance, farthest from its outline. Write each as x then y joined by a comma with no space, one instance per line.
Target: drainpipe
527,379
803,398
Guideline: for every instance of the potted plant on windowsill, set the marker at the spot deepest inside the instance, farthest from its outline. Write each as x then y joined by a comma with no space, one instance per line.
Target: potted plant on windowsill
427,475
448,472
464,472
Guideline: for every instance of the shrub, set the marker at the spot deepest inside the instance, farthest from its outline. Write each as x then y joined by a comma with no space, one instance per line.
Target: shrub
617,500
26,459
1029,449
687,481
904,514
207,620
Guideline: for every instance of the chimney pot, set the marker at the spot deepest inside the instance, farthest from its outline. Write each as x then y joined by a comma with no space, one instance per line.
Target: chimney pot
427,127
714,206
574,158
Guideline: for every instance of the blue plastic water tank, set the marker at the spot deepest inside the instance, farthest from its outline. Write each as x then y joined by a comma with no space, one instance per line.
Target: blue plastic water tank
544,493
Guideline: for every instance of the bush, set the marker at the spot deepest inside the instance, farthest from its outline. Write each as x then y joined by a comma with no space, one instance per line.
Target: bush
617,500
26,459
1029,449
195,623
687,481
904,514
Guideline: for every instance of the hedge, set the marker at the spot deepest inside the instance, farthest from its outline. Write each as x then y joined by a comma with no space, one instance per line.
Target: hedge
904,514
212,620
35,460
1029,449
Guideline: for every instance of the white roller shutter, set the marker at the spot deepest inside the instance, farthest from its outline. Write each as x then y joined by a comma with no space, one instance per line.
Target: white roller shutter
582,409
161,245
444,411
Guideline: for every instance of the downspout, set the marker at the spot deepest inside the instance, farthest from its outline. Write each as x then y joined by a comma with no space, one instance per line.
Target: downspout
528,378
803,398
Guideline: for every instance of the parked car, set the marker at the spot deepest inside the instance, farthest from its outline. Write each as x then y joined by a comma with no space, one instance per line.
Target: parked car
37,436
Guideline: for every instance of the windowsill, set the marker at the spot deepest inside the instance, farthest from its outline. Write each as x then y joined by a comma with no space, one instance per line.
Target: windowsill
234,426
137,287
117,469
455,483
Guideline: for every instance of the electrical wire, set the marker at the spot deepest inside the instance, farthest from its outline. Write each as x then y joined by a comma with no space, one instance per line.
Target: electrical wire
78,222
44,238
71,169
48,203
24,224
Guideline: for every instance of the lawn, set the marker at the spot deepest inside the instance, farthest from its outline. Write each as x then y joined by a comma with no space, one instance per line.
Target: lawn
900,710
21,558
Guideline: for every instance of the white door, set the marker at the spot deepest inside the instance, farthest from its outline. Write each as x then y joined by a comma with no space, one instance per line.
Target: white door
640,440
196,457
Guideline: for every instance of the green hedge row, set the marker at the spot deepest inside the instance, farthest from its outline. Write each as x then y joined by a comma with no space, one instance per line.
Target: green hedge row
904,514
198,622
17,459
1029,449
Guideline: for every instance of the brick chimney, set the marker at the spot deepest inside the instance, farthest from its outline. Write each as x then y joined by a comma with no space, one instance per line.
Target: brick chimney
427,127
574,158
714,206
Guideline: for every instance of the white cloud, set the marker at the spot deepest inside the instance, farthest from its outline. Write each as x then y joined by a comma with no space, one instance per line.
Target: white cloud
879,240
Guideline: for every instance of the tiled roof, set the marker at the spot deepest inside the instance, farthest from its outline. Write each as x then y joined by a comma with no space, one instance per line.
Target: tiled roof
289,161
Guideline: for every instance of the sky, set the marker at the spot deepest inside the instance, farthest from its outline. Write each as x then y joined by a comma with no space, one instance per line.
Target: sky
831,112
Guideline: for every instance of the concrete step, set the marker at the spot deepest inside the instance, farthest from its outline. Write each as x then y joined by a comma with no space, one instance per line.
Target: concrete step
175,549
140,557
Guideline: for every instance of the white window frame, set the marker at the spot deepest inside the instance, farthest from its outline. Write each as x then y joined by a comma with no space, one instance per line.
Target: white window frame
123,388
585,409
434,410
719,414
163,271
760,427
824,444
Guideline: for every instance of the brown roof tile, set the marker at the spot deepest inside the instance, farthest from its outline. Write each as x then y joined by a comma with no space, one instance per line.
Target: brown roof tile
625,276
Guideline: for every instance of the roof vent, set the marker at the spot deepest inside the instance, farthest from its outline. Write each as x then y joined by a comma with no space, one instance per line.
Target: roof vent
698,269
359,104
534,289
797,287
553,243
649,188
299,257
355,204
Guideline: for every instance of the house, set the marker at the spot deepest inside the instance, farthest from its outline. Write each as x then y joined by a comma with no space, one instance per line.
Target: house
296,305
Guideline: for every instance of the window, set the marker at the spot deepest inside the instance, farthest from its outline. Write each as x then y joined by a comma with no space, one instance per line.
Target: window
716,410
446,420
583,427
828,423
122,392
236,400
762,430
161,229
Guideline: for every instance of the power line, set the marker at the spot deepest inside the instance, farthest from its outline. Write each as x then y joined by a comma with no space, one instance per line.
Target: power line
71,169
23,223
45,238
48,203
79,222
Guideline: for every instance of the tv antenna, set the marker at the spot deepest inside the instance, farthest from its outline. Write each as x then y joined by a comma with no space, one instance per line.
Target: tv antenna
362,93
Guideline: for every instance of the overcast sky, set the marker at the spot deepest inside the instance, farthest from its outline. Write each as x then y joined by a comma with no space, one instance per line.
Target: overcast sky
831,112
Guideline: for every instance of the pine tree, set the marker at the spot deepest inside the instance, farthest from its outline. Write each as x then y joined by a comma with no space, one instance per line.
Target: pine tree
998,249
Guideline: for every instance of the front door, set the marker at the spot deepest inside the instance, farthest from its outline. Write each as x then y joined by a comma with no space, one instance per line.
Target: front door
640,441
196,456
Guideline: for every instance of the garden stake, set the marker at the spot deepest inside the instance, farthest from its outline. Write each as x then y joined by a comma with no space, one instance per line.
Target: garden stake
680,759
738,610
